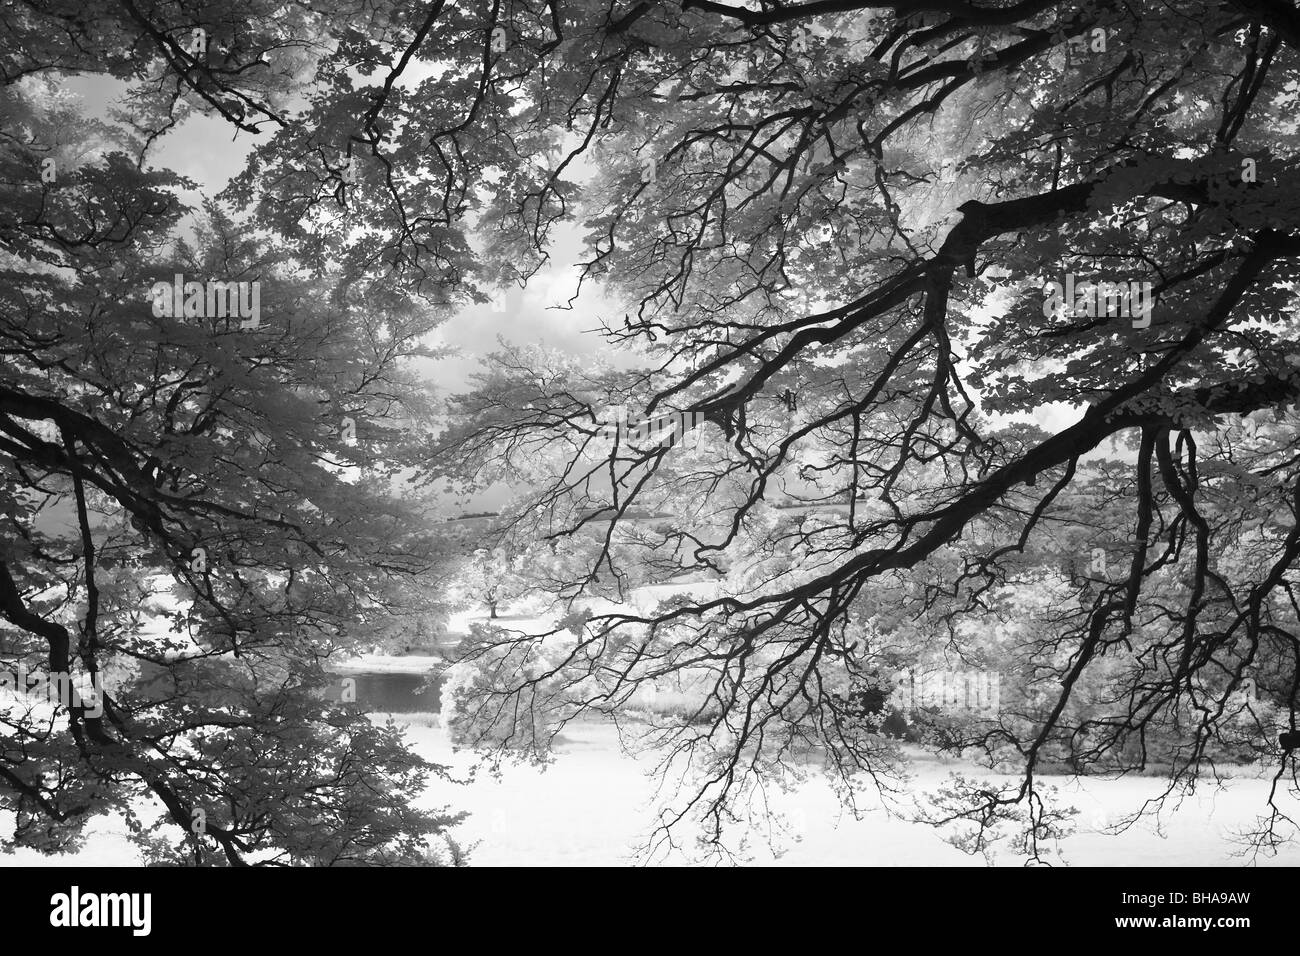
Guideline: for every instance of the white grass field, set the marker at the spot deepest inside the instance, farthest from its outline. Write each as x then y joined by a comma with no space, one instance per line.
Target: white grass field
594,805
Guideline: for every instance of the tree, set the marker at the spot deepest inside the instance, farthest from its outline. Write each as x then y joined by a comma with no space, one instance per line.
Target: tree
489,579
878,209
199,499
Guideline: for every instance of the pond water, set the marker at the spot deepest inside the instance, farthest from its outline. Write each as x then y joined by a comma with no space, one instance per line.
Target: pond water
394,693
376,692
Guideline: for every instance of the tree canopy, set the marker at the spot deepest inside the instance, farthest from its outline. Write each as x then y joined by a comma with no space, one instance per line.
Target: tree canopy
200,508
831,230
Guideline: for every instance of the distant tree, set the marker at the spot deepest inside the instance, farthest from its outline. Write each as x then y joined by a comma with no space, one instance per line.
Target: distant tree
489,579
